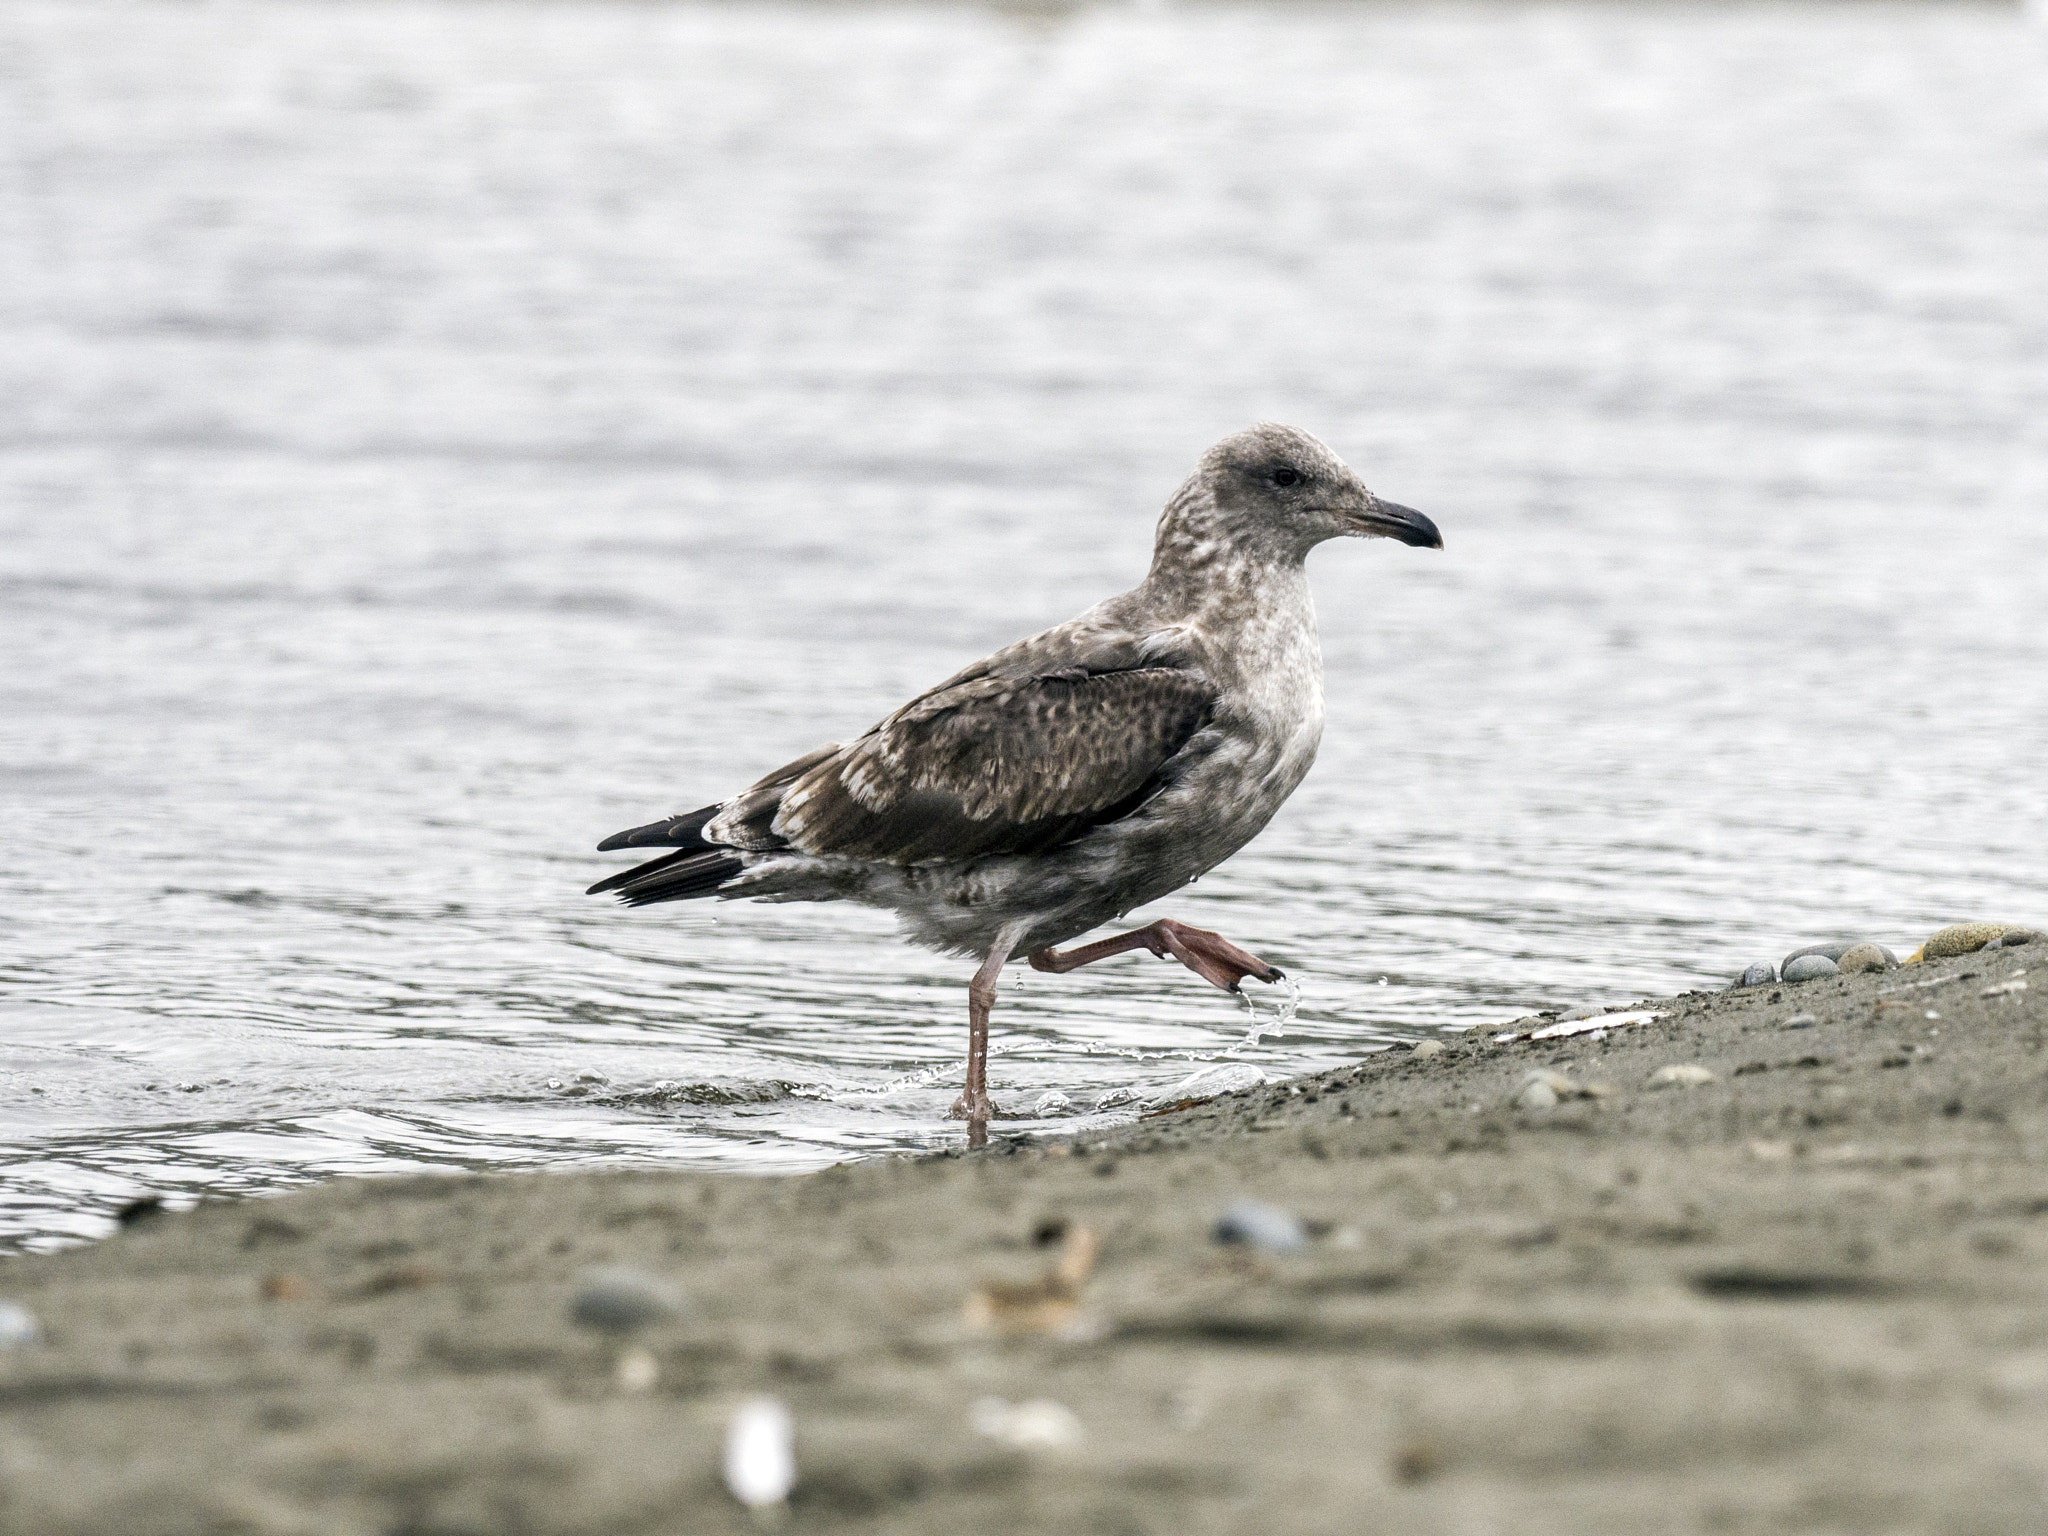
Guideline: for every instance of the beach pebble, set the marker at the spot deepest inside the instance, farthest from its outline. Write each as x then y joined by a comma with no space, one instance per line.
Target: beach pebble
1762,974
1110,1098
1543,1089
1053,1103
1831,951
623,1300
1809,968
1424,1049
1536,1095
1254,1224
18,1326
1685,1074
760,1454
2014,938
1860,958
1964,939
1039,1425
1801,1021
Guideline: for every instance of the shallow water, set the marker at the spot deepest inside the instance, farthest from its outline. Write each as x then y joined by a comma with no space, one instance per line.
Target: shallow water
435,436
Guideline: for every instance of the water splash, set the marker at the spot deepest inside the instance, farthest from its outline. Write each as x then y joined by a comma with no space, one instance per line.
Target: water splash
1274,1023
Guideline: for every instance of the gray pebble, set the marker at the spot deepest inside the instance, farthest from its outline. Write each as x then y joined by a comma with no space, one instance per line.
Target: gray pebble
2015,939
1809,968
1536,1093
18,1326
1426,1048
1860,958
1267,1228
1801,1021
623,1300
1762,974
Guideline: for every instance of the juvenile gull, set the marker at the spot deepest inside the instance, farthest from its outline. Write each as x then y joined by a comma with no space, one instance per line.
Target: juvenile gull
1055,785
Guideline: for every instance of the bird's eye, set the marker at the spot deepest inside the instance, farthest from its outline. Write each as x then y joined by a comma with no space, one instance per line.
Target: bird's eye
1287,477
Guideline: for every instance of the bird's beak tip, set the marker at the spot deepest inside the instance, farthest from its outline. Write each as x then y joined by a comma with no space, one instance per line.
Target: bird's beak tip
1394,521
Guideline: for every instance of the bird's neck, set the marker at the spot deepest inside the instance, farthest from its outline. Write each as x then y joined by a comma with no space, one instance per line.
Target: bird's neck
1205,563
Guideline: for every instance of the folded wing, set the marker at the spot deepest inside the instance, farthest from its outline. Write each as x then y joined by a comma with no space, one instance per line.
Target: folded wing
997,765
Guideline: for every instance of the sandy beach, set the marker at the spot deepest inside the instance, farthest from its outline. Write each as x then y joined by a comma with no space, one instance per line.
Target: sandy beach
1805,1295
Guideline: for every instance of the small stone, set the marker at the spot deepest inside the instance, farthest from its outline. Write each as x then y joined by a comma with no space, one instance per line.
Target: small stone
588,1076
1053,1103
1684,1074
760,1454
1536,1094
1859,959
1809,968
1254,1224
1964,939
1831,951
1424,1049
1801,1021
2015,938
18,1326
1110,1098
623,1300
1762,974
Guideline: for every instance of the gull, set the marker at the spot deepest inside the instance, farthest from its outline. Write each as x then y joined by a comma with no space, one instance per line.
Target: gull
1064,780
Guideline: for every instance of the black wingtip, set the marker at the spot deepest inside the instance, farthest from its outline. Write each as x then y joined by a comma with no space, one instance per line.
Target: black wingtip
670,832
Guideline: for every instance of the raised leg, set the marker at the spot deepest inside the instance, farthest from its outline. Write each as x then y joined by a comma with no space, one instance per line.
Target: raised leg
973,1105
1209,955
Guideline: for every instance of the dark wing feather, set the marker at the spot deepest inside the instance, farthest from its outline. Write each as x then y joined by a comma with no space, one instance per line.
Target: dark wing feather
995,765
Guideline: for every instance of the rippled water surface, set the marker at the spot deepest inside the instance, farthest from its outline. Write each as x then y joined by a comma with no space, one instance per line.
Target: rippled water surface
433,436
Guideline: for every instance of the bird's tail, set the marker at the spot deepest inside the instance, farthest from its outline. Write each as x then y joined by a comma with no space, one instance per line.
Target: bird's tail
679,876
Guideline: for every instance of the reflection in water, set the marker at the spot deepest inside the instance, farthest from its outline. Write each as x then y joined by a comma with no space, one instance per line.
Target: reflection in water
438,437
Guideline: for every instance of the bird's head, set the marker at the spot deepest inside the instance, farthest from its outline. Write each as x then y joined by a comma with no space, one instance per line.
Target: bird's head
1271,480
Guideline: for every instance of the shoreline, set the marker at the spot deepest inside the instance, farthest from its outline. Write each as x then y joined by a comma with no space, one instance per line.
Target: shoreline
1808,1291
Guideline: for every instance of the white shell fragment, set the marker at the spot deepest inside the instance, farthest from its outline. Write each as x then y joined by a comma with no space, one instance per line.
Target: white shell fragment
760,1453
637,1371
1039,1425
1564,1027
1254,1224
18,1326
1681,1074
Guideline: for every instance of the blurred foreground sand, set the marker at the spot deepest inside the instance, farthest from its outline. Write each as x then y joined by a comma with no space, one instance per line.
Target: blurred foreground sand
1807,1295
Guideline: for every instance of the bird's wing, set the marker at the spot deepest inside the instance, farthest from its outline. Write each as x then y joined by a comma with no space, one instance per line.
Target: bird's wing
999,764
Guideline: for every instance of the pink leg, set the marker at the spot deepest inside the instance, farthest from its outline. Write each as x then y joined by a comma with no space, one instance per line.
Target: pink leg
1209,955
974,1105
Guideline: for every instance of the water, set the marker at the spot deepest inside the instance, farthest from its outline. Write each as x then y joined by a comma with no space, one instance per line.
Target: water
437,436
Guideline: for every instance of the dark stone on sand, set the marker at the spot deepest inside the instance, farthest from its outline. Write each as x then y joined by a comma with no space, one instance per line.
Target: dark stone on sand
1762,974
623,1300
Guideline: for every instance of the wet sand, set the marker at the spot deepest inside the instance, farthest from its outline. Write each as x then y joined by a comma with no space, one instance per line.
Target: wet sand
1810,1295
